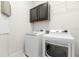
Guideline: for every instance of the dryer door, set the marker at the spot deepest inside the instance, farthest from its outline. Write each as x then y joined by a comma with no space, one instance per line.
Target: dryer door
53,50
56,49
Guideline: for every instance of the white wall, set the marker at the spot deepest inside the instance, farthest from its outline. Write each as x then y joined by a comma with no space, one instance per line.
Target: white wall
18,26
65,15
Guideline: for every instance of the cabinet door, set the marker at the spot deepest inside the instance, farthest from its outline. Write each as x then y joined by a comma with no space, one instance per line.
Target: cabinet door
3,45
33,14
43,11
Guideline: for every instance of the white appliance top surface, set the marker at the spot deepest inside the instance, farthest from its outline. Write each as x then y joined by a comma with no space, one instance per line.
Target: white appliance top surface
59,35
35,33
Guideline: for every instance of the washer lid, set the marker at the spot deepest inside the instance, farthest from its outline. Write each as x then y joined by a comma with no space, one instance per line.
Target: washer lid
35,33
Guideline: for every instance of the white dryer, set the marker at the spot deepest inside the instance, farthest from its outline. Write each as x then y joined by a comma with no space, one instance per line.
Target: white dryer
33,44
58,44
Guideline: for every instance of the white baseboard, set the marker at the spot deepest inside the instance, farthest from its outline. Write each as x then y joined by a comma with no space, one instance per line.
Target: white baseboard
18,54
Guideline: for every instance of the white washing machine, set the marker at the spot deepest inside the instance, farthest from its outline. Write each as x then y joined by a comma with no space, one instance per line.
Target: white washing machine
33,44
58,44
